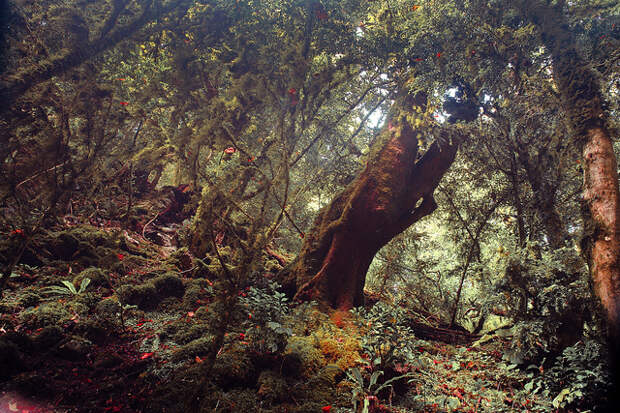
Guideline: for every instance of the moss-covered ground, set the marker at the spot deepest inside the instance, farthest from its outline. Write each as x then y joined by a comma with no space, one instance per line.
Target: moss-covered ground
136,340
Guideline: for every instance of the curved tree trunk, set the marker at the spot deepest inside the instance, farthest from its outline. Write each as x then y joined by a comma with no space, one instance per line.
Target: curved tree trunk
392,193
601,197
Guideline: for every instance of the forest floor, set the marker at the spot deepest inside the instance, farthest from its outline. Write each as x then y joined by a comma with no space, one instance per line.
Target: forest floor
135,340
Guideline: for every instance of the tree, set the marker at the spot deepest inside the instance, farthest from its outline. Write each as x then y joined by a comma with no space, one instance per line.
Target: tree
601,196
394,191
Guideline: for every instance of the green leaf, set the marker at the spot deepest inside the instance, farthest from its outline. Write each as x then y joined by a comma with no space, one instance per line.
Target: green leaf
559,399
69,286
373,378
84,284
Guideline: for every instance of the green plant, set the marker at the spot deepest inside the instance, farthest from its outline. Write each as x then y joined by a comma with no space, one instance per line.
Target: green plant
388,339
367,394
265,309
67,288
578,378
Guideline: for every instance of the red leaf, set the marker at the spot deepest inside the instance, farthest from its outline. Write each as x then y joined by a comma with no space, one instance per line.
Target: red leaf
120,256
438,54
146,355
326,408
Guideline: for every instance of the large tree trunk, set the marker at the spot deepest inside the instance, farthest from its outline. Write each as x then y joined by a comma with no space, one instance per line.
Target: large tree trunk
601,196
390,194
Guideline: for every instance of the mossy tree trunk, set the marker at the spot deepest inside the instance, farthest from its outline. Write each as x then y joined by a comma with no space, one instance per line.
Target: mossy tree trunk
601,196
394,191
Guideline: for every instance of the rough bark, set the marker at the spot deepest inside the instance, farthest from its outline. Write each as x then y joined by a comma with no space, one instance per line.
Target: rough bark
601,196
392,192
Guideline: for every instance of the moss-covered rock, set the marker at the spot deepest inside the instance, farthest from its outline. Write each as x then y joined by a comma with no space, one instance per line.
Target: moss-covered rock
48,338
233,367
169,285
47,314
97,277
272,387
189,333
198,347
144,296
29,299
84,244
195,294
301,358
108,307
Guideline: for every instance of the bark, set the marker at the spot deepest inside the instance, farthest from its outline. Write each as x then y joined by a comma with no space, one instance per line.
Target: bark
392,192
601,197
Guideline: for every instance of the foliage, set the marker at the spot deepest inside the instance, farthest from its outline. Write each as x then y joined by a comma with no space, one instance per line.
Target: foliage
67,288
266,309
387,339
579,378
548,299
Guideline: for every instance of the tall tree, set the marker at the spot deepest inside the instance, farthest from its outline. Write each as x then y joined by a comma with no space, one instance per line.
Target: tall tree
601,195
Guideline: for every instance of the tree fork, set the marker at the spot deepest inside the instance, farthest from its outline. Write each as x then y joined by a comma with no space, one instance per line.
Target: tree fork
390,194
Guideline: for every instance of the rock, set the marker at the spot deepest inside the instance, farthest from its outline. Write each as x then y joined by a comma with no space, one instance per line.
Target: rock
75,349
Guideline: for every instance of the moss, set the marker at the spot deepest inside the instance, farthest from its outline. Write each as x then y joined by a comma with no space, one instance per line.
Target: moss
108,307
144,296
169,285
198,347
272,387
83,244
301,358
189,333
97,277
29,299
233,367
181,259
195,294
47,314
